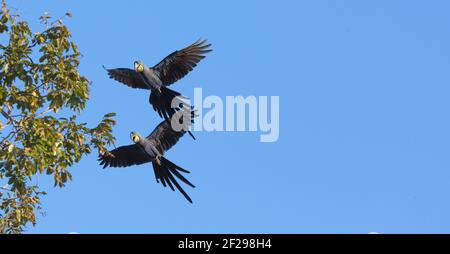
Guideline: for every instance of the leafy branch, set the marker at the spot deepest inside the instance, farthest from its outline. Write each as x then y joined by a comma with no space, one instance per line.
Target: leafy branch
39,80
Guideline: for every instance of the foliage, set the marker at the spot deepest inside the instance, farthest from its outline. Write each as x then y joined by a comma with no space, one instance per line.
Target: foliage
41,95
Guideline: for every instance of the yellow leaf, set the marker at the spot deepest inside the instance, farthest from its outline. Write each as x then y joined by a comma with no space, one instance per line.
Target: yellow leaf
18,215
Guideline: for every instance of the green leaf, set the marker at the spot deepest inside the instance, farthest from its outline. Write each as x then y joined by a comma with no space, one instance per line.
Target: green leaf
110,115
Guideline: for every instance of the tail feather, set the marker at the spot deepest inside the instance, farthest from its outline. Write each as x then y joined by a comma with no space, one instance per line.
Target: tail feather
172,165
170,184
175,170
162,104
165,173
192,135
179,188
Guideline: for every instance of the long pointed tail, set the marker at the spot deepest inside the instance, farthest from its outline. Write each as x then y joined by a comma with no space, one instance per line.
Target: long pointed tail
162,103
165,173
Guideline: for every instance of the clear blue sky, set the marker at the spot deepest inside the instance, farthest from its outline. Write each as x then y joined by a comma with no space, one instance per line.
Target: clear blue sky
364,123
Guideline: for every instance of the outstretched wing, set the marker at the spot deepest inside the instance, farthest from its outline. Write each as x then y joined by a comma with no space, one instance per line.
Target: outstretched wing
124,156
128,77
176,65
164,136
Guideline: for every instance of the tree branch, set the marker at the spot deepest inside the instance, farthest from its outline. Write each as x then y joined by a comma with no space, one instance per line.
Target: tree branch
5,9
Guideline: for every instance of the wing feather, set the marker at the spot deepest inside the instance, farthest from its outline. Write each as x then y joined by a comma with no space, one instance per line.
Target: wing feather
164,136
128,77
178,64
124,156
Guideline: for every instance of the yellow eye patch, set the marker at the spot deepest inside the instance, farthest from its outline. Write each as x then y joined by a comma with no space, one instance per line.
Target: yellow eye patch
139,68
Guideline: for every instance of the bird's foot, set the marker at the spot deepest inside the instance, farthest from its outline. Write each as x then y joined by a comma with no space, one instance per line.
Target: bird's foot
158,159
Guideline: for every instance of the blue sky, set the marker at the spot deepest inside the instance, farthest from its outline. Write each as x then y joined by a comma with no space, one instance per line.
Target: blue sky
364,117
